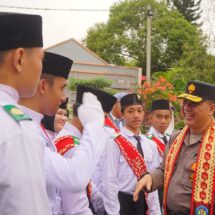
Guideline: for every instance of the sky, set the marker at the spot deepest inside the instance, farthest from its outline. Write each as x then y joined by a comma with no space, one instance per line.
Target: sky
62,25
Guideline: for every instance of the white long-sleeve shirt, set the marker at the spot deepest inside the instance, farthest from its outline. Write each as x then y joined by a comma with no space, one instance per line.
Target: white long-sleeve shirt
73,203
97,177
22,180
72,175
157,134
118,176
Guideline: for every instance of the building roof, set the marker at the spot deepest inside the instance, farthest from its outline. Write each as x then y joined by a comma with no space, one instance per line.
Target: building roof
77,52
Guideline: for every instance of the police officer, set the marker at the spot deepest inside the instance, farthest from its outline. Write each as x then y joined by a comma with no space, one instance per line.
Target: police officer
188,170
61,173
22,181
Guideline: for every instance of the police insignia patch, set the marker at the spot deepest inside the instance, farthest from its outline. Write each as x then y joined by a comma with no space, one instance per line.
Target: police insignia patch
201,210
191,88
16,113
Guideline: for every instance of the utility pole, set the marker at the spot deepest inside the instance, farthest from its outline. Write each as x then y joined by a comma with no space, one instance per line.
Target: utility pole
148,44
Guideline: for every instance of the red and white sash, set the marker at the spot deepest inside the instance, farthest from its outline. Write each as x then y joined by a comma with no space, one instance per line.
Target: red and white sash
160,145
131,154
203,191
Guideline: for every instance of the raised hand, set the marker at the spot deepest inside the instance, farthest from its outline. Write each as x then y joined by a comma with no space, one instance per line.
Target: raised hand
90,110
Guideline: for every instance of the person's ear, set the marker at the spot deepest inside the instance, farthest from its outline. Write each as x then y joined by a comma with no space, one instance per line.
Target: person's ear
19,58
212,109
42,87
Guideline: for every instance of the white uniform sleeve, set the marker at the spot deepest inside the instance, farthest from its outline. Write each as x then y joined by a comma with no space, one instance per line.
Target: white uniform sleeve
110,184
153,199
74,174
22,181
153,203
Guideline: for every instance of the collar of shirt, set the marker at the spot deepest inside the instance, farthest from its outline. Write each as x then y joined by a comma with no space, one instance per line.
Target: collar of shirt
191,139
156,133
129,133
149,148
13,93
113,117
33,114
69,129
51,134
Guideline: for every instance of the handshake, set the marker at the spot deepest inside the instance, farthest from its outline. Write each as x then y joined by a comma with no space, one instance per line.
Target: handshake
90,110
144,184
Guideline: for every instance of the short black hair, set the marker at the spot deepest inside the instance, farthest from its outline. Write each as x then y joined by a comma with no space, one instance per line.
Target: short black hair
123,108
49,78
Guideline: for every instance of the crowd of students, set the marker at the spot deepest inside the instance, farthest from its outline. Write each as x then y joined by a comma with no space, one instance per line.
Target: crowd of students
98,161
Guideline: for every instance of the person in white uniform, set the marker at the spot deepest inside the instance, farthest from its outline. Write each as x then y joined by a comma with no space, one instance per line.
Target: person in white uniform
128,159
160,118
115,114
67,142
65,174
22,180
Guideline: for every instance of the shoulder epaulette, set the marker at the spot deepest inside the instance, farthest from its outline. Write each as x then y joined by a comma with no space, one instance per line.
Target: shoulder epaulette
16,113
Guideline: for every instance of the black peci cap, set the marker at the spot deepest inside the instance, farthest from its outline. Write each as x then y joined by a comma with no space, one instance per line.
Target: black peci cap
57,65
161,104
130,99
197,91
107,100
20,30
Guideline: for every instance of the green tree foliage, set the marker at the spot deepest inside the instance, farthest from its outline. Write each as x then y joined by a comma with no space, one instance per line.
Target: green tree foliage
197,64
96,83
190,9
122,40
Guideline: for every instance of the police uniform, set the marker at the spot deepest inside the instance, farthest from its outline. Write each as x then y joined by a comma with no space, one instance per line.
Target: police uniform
22,181
119,180
181,182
